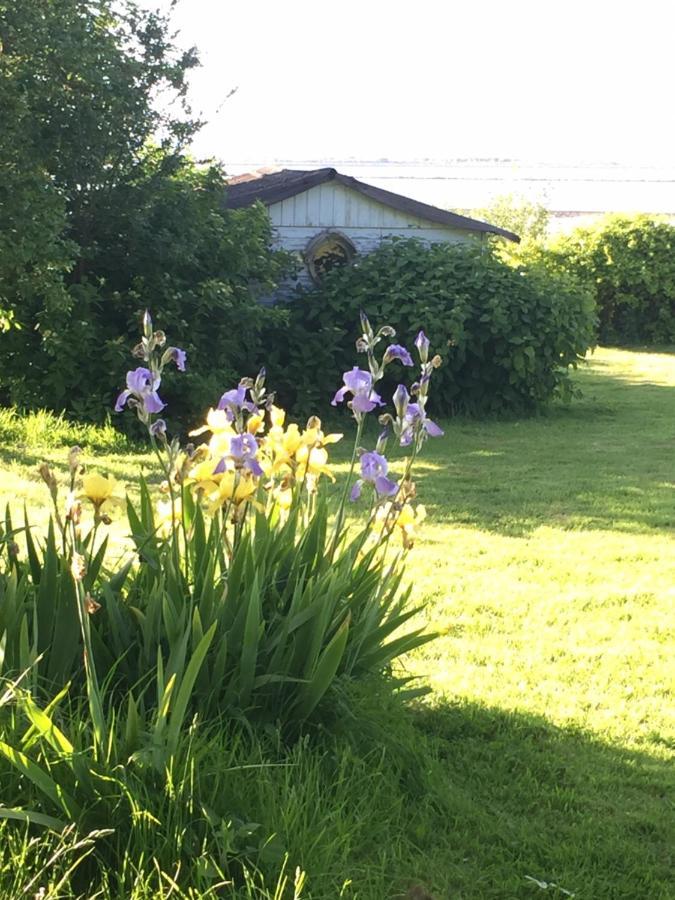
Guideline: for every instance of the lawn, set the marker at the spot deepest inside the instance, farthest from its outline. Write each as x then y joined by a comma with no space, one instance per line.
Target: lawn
542,760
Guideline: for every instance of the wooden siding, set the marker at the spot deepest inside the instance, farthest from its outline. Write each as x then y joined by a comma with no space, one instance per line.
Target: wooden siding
299,219
332,205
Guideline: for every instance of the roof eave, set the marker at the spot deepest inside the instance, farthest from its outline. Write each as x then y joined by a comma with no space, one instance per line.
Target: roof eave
416,208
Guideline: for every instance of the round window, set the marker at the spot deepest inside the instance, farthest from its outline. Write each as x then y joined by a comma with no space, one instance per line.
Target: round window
327,251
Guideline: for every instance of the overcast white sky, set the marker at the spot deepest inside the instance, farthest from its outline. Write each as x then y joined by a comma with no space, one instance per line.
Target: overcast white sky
539,81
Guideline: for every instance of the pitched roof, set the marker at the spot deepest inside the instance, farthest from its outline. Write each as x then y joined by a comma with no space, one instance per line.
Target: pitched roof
272,187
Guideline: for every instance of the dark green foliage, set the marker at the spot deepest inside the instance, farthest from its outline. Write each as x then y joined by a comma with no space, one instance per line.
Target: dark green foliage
104,215
629,263
508,335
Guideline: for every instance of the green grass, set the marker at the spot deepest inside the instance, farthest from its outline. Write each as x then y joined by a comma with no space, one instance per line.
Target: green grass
544,755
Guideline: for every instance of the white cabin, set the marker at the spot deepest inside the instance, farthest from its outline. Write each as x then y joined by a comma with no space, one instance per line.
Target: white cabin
328,219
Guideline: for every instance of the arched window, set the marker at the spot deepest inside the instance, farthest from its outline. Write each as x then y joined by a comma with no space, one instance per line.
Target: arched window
327,251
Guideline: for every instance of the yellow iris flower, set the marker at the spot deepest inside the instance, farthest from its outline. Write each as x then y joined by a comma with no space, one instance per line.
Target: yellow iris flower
97,488
233,488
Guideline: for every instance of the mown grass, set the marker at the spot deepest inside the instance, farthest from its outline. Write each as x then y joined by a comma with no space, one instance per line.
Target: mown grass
542,762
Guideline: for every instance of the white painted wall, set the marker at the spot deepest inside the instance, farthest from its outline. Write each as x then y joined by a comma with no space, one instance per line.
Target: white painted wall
332,205
365,222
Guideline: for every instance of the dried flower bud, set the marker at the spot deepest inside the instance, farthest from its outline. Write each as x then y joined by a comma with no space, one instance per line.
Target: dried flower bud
139,351
313,422
13,550
158,429
49,479
387,331
361,345
407,491
75,512
91,606
78,567
437,362
105,518
246,383
159,338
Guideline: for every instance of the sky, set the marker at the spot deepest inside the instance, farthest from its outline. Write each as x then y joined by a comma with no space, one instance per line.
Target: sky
545,81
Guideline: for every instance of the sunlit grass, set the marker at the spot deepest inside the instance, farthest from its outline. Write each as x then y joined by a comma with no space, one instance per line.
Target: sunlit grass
548,563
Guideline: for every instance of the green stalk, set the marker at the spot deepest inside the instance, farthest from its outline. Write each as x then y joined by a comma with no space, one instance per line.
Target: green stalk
340,517
93,689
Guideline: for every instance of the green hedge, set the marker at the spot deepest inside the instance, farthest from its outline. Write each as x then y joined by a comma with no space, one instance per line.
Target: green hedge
629,264
508,335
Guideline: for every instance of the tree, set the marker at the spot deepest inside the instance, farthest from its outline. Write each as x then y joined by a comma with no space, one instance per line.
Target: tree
516,213
103,212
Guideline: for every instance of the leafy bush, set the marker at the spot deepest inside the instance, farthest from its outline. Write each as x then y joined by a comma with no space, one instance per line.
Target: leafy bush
629,264
103,211
509,334
171,240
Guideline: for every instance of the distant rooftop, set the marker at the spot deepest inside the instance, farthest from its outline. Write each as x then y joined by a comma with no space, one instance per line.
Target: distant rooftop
272,186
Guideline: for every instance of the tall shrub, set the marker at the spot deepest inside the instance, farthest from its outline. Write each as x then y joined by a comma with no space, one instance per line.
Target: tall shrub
103,211
629,264
509,334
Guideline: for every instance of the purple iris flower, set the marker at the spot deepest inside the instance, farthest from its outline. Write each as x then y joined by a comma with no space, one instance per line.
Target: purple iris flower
413,420
359,384
243,450
374,468
175,354
235,400
396,351
142,386
422,344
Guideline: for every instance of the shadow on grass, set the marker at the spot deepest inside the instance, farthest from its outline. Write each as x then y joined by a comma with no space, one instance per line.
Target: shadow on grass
528,800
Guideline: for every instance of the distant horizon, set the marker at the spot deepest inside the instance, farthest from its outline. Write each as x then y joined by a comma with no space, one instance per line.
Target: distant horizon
566,190
494,160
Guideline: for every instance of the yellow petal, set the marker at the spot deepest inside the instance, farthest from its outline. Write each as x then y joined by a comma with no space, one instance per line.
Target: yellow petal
98,488
254,424
278,416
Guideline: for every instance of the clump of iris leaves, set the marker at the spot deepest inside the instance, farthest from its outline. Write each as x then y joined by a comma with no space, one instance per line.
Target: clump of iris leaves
154,705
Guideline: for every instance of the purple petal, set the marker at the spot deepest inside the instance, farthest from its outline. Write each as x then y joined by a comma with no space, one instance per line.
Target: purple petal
178,356
339,397
158,428
422,344
121,400
358,380
372,465
220,468
385,487
363,404
356,490
396,351
254,467
140,380
401,400
406,437
152,402
433,429
234,398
